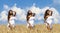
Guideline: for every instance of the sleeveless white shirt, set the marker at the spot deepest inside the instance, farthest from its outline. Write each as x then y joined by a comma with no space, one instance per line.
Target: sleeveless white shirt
49,20
12,20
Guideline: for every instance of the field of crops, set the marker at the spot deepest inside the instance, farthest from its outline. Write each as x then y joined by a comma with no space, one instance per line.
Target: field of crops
36,29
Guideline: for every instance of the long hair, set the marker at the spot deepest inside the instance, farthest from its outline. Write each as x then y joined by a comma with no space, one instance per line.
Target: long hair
46,14
9,14
28,13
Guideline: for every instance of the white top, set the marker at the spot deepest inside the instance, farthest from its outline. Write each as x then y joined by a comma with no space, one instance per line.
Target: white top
49,20
12,20
31,20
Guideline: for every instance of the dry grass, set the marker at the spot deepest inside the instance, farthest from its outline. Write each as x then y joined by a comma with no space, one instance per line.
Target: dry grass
37,29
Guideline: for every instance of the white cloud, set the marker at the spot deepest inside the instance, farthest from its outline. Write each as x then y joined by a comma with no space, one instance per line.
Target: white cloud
21,13
3,16
6,6
39,11
4,13
44,9
35,9
55,15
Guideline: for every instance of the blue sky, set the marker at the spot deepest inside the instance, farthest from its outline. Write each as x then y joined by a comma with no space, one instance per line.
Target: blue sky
23,4
26,3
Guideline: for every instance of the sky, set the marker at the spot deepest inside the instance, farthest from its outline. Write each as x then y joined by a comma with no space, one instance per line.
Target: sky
22,6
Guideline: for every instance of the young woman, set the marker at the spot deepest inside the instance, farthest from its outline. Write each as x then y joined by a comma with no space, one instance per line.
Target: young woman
28,13
11,17
30,19
48,19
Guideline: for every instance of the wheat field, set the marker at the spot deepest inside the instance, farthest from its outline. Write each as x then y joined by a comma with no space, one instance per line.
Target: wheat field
37,29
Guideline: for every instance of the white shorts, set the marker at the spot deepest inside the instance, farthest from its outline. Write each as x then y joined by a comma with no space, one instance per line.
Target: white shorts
31,22
50,24
12,23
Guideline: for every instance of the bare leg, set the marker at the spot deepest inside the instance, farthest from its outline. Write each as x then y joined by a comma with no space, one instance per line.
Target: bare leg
49,28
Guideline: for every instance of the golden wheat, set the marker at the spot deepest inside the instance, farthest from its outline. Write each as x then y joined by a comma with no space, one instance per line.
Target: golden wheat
37,29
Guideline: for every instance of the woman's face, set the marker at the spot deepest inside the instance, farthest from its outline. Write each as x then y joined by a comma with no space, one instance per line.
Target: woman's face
49,12
11,12
30,12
